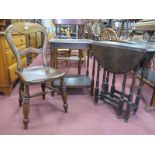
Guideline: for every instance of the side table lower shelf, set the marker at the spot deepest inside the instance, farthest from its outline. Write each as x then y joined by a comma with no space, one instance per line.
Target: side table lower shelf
75,81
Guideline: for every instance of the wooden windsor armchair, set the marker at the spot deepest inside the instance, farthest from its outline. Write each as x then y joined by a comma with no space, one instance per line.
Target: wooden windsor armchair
42,75
109,34
96,29
144,33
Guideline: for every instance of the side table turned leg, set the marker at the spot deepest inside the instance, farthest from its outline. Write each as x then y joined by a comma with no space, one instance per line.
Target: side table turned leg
43,86
92,80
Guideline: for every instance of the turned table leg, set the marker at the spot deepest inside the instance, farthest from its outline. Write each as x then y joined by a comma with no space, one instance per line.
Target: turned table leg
93,76
80,62
138,97
97,84
112,91
43,86
130,98
103,91
121,103
87,70
107,82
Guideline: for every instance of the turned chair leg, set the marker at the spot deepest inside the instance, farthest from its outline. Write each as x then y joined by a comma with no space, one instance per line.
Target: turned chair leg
43,86
52,92
20,93
26,106
152,104
64,95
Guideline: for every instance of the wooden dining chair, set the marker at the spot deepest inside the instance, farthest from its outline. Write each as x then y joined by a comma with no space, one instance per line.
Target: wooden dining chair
109,34
96,29
43,75
64,56
149,74
149,79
